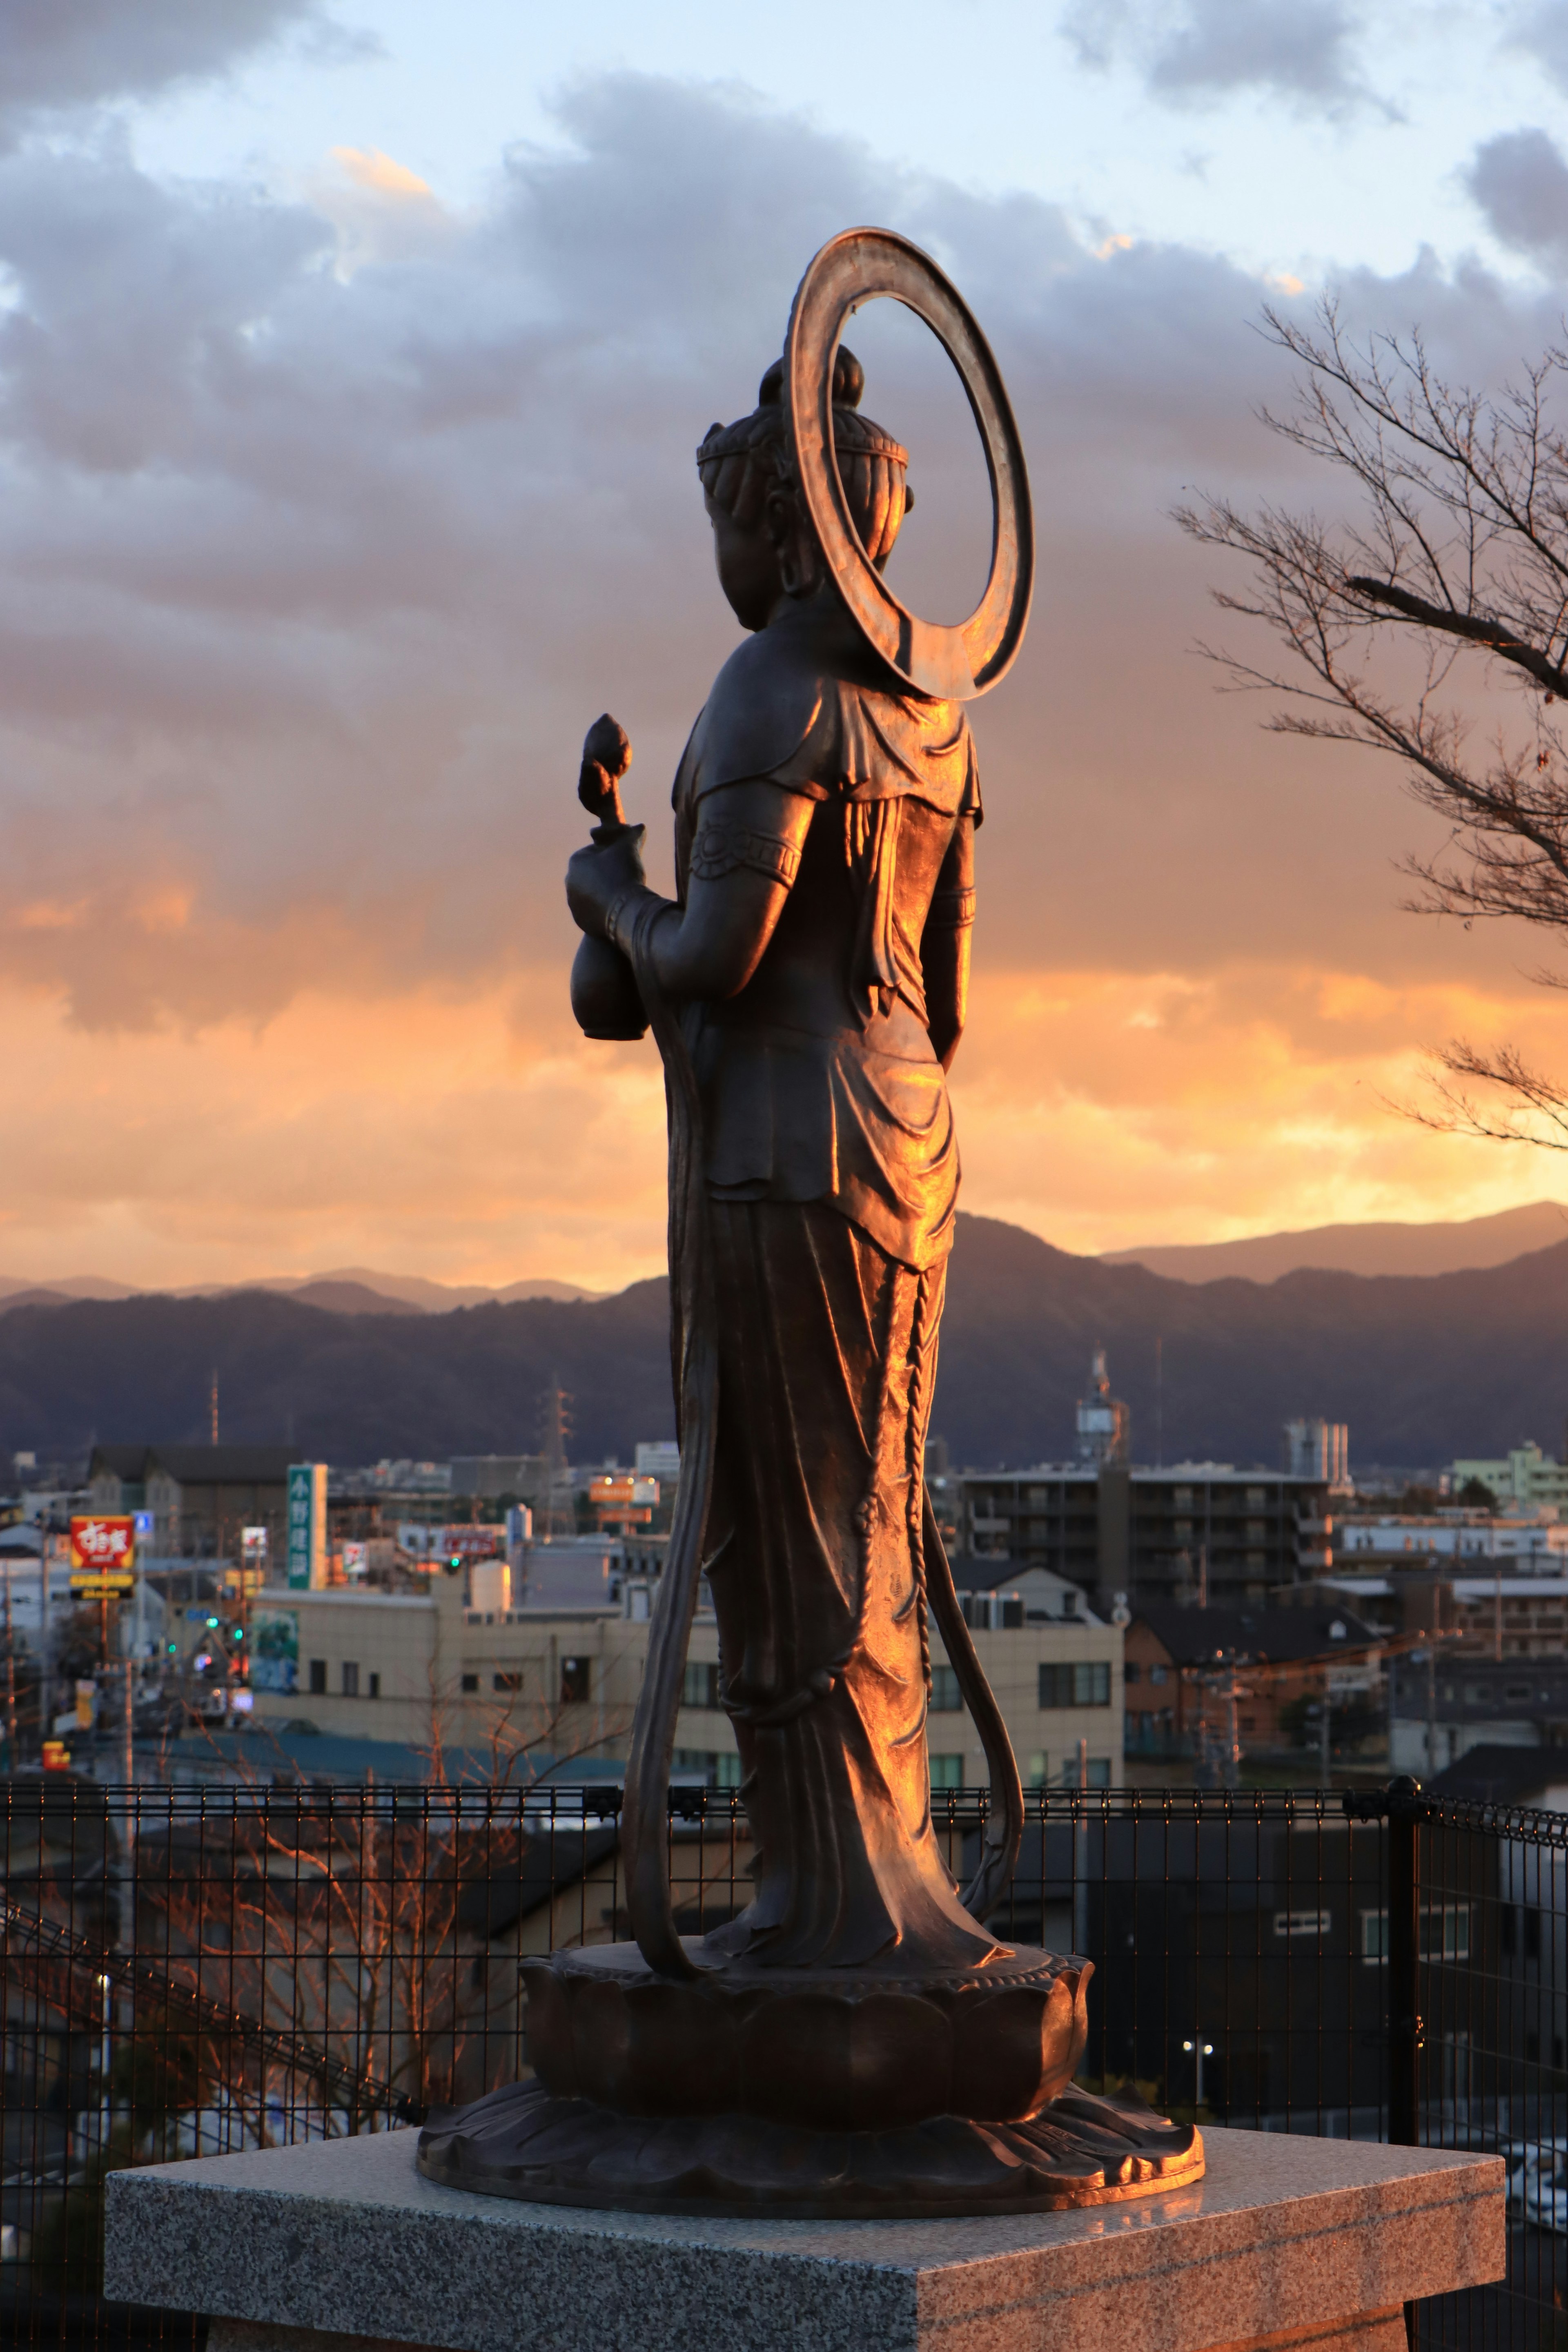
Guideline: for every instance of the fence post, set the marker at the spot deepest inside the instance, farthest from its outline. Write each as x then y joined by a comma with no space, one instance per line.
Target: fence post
1407,1810
1406,2031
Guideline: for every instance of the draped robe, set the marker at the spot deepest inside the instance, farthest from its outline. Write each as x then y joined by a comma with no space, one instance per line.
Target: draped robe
832,1176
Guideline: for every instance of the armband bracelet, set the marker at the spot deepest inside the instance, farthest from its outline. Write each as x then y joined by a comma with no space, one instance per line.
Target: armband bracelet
951,911
621,913
722,849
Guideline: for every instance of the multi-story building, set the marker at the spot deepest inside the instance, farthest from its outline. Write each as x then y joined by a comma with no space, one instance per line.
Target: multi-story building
1524,1474
200,1497
558,1682
1319,1449
1189,1671
1508,1616
1450,1537
1444,1702
1198,1529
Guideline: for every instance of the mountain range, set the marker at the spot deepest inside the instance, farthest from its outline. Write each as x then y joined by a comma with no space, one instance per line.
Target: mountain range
1444,1247
1381,1247
1422,1366
347,1290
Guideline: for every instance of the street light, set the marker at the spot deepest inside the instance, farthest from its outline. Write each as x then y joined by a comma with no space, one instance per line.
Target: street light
1200,2049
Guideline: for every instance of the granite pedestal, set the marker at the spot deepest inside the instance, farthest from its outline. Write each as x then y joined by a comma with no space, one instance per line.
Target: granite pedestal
340,2246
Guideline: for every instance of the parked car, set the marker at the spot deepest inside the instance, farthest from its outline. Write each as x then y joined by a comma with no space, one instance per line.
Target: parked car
1544,2195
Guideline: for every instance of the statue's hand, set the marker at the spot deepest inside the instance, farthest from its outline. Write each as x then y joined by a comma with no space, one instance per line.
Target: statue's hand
606,756
595,878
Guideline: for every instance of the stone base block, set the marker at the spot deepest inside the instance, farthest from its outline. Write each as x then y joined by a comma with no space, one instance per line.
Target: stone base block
1289,2243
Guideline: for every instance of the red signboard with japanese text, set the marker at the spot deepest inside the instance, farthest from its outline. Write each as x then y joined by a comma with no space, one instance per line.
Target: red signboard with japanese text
105,1544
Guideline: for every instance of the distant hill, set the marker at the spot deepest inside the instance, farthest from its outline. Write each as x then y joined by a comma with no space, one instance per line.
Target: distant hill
1423,1367
1441,1248
346,1290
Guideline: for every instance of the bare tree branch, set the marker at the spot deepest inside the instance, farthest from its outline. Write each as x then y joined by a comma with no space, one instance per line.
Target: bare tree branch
1459,545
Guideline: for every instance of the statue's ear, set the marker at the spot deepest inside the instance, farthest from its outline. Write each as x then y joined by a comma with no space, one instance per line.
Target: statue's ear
789,530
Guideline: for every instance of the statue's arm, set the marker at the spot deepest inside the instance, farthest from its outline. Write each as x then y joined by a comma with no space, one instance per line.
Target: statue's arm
744,858
944,944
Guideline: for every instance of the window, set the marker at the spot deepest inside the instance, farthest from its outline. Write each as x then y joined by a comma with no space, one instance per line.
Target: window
1159,1673
317,1677
944,1696
701,1686
1070,1602
1039,1769
575,1680
1302,1923
1132,1672
1182,1498
1257,1498
471,1682
720,1767
1257,1531
350,1678
947,1772
1184,1530
1081,1682
508,1679
1444,1932
1097,1772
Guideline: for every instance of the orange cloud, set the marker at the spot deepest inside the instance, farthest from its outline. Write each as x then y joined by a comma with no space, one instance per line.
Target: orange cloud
475,1136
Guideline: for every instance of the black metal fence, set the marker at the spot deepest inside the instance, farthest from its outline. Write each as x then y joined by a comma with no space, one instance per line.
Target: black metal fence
188,1971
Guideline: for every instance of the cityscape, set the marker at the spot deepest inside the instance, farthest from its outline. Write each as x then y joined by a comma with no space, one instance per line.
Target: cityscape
784,1263
229,1615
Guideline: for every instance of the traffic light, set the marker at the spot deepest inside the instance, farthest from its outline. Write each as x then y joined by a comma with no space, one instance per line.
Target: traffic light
173,1649
236,1632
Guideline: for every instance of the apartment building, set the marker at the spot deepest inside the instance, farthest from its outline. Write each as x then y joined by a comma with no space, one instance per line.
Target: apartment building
431,1668
1196,1530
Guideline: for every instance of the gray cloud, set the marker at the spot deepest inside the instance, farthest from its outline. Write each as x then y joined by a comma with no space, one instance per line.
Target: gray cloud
1300,50
1520,182
1541,28
311,574
55,58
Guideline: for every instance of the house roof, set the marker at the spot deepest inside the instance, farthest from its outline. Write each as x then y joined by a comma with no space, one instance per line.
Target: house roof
1501,1776
118,1461
1198,1637
977,1571
224,1465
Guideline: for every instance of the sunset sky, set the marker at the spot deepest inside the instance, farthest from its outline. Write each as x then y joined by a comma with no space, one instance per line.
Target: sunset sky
352,361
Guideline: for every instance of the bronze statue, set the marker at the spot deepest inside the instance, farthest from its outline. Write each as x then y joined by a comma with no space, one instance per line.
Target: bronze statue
857,2040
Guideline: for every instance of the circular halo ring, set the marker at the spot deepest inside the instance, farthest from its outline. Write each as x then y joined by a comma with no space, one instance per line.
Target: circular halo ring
948,661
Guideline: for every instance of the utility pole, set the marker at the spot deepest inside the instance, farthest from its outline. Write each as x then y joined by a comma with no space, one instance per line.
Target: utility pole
1432,1708
557,1421
1326,1775
215,1404
45,1676
10,1683
1497,1614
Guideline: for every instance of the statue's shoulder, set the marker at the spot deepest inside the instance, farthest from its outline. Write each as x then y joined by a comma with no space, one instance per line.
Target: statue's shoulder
803,704
767,702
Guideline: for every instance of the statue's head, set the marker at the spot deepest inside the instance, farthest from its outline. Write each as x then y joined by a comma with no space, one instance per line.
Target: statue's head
764,540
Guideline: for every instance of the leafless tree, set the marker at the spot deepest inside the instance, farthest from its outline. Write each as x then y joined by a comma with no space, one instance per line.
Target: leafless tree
1458,553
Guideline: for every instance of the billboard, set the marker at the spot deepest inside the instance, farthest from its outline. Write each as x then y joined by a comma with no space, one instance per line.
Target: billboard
275,1650
439,1545
107,1546
306,1535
